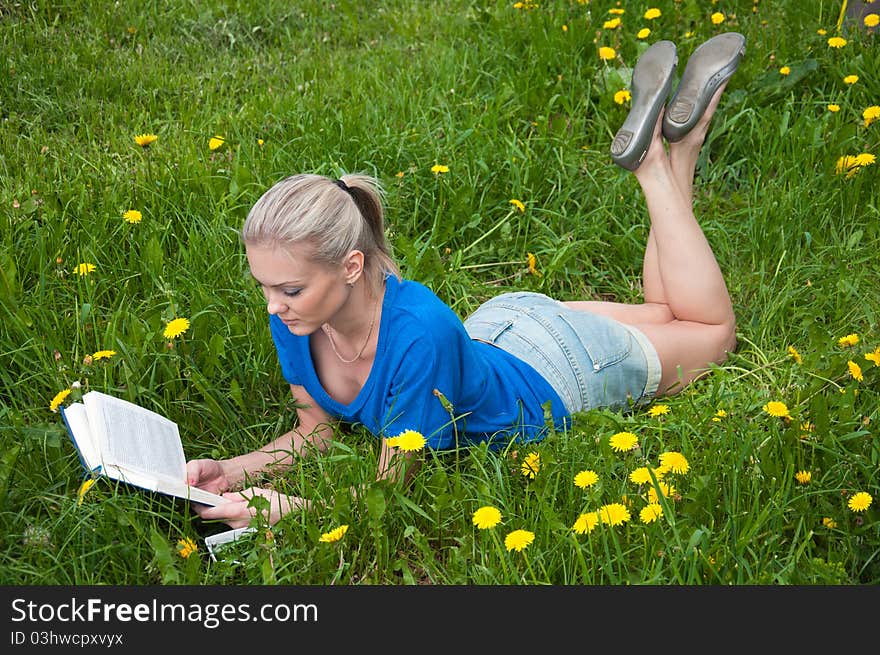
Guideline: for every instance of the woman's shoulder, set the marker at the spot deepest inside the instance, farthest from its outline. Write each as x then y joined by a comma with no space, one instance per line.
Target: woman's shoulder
416,313
419,302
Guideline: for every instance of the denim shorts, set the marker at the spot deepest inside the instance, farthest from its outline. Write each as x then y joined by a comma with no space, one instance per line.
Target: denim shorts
590,360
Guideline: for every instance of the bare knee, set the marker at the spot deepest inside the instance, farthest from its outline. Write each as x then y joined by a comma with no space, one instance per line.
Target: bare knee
727,338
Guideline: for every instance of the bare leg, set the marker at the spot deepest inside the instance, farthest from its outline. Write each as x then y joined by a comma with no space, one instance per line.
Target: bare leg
687,313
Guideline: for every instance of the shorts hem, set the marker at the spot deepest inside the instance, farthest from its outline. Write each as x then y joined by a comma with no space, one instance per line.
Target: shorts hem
652,364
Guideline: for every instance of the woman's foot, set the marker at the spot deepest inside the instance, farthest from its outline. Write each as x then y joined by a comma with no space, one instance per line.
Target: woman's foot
683,154
708,69
651,83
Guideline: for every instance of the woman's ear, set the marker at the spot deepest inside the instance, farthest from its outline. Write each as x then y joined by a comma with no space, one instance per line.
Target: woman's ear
353,266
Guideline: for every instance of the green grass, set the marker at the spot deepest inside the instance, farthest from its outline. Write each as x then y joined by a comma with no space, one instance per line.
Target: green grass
517,107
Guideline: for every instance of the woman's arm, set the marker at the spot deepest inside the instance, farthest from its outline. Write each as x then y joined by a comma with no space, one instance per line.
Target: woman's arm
314,430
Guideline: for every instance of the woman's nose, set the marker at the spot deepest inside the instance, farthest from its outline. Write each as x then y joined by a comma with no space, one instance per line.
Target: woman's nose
275,304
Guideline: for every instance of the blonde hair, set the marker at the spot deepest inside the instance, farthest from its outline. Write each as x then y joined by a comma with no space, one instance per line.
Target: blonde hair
334,217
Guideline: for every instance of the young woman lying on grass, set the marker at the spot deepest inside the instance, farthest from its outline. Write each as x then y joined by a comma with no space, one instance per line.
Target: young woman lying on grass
360,345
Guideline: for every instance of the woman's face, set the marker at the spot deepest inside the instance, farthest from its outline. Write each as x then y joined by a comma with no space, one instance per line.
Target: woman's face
302,293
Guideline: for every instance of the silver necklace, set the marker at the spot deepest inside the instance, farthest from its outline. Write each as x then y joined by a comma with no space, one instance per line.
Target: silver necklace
327,330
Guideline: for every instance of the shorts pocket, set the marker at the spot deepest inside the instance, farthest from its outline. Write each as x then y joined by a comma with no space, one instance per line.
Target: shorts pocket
488,331
605,344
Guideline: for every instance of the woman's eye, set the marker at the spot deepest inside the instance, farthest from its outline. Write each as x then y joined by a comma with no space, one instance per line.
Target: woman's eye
291,292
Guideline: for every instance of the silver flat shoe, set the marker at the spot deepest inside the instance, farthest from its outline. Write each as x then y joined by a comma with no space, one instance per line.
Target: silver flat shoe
710,65
650,86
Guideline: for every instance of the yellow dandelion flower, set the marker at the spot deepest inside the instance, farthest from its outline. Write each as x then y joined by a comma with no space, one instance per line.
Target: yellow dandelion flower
806,429
642,475
260,142
518,204
658,410
606,53
860,501
855,371
874,356
532,262
795,355
216,141
518,540
865,159
103,354
821,31
803,477
870,115
612,24
836,42
58,399
777,409
833,108
652,13
850,79
437,169
486,517
675,462
84,269
623,441
410,440
617,11
585,479
622,96
585,523
829,522
83,488
614,514
186,547
651,512
717,18
175,328
847,164
720,414
643,33
666,489
531,465
333,535
785,70
145,140
871,20
848,341
132,216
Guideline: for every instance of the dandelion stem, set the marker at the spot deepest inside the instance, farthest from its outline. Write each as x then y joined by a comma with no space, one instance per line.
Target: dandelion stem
497,225
490,264
501,555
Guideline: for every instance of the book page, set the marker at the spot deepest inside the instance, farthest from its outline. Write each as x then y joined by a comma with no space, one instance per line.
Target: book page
77,422
135,438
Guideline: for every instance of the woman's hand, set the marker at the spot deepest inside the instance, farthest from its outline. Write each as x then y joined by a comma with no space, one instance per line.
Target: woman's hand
207,474
237,513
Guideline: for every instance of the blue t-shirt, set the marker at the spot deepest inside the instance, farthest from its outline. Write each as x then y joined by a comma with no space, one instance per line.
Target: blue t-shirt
423,346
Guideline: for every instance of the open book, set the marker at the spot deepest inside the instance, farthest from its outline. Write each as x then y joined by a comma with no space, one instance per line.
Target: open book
127,442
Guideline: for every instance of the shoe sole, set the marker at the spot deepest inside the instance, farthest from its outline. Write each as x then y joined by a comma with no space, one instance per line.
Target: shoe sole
710,65
650,86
